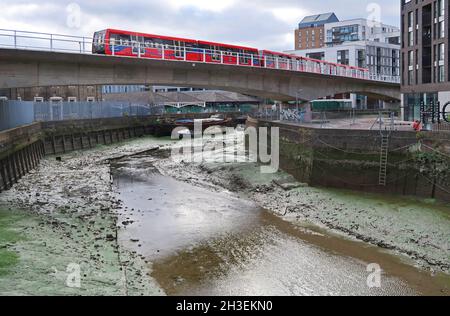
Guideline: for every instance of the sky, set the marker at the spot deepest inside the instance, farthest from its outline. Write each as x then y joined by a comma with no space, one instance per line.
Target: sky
264,24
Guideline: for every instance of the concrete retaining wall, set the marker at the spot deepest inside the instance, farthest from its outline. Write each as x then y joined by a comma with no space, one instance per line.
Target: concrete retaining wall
350,159
22,148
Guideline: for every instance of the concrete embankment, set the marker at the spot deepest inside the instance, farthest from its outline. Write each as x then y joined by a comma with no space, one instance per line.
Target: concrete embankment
73,217
22,148
418,163
59,224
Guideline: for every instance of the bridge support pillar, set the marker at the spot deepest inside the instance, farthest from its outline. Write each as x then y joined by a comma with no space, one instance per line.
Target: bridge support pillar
308,112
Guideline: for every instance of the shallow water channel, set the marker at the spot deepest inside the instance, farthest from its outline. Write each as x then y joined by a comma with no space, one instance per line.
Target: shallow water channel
200,242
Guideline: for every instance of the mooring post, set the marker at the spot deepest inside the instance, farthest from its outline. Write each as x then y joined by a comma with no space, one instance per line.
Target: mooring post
27,158
3,174
8,173
13,167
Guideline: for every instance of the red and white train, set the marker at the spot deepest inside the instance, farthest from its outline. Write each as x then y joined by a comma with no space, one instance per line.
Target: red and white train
132,44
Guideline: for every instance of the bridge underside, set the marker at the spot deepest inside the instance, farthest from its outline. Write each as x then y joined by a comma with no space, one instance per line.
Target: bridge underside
21,69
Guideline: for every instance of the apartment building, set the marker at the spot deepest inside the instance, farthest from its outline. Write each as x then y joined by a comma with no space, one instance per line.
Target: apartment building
311,31
425,54
360,43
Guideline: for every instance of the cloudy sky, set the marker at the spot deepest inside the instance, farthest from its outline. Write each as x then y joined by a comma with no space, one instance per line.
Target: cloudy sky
260,23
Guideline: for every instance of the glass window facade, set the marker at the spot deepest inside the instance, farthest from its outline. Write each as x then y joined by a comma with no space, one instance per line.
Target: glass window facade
412,103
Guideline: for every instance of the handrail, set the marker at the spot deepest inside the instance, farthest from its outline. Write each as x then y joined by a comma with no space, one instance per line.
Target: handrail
62,43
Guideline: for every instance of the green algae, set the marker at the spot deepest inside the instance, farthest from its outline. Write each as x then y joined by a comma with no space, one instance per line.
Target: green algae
8,237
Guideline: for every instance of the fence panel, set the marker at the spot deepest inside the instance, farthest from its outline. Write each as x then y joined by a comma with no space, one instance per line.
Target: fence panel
56,111
18,113
15,113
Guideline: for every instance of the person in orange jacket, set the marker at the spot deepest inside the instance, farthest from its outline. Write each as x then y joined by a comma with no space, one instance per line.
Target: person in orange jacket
417,126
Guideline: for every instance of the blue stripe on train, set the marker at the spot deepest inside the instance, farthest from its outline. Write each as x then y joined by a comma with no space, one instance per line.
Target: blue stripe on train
118,49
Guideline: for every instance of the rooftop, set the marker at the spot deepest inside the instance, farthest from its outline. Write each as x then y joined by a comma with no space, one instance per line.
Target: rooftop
318,20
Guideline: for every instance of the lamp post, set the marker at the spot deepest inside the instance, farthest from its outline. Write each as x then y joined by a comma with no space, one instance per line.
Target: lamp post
297,102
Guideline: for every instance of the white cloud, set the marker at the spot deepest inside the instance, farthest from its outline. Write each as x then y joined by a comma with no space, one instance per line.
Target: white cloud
208,5
266,24
289,15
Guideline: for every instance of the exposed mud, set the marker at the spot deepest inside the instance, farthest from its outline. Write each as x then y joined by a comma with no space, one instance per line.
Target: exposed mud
69,221
204,241
408,226
210,228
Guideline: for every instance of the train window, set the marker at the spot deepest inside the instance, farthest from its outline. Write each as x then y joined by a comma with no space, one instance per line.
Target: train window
243,56
120,39
179,48
148,43
229,52
99,42
153,42
97,38
215,53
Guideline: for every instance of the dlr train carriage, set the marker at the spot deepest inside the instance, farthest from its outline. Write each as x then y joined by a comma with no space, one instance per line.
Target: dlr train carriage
125,43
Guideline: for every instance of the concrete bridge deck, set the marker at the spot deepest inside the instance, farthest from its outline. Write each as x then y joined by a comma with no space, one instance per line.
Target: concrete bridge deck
28,68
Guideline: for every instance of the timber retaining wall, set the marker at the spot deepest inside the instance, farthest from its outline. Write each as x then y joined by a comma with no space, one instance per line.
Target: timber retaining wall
22,148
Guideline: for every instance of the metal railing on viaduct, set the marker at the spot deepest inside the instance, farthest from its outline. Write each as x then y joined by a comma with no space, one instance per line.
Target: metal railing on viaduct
25,40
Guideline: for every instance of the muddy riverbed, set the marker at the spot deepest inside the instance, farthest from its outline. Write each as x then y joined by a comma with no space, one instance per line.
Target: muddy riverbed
200,241
138,223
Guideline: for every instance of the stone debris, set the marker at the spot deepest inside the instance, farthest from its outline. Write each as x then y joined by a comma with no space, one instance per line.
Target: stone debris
76,213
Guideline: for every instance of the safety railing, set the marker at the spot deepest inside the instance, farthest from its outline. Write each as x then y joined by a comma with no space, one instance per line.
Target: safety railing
83,45
385,78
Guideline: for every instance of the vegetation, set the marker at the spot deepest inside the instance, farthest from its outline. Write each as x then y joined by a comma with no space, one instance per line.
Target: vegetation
8,237
433,166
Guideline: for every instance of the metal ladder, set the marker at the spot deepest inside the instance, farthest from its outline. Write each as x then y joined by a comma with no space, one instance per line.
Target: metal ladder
384,159
384,152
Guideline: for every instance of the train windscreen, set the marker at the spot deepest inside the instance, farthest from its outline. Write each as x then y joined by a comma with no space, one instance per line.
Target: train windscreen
98,45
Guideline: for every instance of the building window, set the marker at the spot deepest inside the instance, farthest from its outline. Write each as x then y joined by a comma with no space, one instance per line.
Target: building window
343,57
411,67
441,69
442,29
56,99
411,39
410,58
441,52
441,77
410,28
441,8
